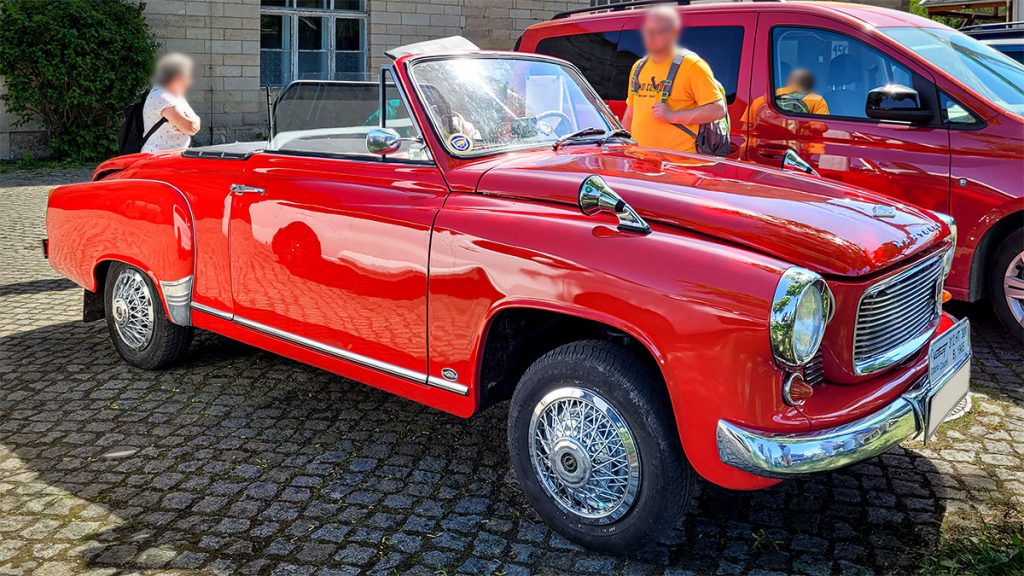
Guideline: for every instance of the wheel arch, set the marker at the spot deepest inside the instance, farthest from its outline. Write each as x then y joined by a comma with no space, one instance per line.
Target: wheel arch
517,333
986,248
147,224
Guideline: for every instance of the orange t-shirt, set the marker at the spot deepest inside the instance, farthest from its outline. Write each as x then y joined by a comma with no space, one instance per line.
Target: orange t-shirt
694,86
816,104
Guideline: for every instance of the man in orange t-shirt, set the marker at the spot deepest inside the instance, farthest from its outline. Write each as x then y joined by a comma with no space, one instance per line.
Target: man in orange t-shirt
694,98
798,94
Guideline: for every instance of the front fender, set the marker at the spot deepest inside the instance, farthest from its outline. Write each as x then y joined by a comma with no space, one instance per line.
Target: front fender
145,223
699,306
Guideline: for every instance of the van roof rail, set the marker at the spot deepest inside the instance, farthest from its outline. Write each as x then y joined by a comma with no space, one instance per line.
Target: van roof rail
620,6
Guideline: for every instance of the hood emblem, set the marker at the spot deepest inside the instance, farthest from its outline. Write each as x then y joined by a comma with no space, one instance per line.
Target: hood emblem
883,211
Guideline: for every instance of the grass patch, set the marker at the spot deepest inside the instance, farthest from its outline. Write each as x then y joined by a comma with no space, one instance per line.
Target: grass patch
995,548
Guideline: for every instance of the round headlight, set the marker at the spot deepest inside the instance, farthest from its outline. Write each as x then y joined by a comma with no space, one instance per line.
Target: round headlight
801,309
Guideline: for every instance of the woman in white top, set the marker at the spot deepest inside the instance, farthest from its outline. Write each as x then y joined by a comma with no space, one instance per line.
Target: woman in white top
171,82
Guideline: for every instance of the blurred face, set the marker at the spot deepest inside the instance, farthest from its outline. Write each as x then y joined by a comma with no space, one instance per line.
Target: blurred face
801,79
180,84
661,32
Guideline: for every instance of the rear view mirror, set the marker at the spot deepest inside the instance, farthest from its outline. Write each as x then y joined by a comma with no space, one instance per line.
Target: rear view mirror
793,162
897,103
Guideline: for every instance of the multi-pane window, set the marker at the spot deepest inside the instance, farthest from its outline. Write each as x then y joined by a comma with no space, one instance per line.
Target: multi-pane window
312,40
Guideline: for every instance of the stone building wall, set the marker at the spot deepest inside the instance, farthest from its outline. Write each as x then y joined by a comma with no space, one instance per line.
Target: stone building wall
493,24
223,36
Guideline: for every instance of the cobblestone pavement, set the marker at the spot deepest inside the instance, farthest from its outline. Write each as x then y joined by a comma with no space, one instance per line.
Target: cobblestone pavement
243,462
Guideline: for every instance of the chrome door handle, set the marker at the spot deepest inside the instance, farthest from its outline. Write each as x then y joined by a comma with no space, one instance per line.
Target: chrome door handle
243,189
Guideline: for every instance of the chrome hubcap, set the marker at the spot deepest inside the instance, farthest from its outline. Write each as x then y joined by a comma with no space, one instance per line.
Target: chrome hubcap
132,309
584,455
1013,287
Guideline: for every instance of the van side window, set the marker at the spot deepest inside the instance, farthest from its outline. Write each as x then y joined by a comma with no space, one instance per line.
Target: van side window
596,55
821,73
720,46
954,113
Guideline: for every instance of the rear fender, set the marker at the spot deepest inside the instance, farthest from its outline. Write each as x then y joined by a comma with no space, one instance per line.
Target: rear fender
144,223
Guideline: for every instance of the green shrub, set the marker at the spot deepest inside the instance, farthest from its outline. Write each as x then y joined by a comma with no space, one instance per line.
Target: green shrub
74,65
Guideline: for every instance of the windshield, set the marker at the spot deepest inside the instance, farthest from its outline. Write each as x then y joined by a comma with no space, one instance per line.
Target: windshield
486,105
982,68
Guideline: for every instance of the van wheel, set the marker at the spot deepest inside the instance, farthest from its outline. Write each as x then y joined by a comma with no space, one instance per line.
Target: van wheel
1006,283
140,330
595,448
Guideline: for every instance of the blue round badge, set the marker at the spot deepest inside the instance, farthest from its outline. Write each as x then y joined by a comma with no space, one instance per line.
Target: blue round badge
460,142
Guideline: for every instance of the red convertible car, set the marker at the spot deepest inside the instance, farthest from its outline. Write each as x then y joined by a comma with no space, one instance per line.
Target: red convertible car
476,227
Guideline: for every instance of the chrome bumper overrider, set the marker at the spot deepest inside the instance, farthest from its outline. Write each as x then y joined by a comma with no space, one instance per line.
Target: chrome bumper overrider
788,455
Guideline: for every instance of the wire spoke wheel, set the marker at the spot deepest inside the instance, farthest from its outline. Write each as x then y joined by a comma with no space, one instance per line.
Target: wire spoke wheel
585,455
132,309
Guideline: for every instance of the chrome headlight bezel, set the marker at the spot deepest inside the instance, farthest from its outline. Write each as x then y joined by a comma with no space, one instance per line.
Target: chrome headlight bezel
797,283
947,258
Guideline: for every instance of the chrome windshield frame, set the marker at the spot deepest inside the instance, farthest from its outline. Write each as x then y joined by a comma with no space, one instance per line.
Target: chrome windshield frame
584,85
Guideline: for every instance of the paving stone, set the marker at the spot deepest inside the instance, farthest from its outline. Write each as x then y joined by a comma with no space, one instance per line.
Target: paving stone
242,462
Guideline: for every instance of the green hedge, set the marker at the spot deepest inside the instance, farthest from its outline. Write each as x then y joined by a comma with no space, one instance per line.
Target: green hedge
74,65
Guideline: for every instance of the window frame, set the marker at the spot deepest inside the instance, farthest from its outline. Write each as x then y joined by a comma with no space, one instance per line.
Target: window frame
381,84
978,123
634,33
410,66
770,95
332,15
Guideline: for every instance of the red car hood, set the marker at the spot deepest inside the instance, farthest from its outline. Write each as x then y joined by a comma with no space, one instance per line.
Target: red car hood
821,225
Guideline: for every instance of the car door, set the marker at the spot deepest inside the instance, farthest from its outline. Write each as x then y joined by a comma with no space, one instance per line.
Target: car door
830,69
329,244
725,40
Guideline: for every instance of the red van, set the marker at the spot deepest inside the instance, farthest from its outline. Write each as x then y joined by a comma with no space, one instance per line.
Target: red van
916,110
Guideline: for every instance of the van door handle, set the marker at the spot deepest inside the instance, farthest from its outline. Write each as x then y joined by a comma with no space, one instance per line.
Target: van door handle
777,151
243,189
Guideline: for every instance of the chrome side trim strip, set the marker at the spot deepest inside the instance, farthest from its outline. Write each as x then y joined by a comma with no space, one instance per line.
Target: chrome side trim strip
213,311
331,350
443,384
365,361
178,297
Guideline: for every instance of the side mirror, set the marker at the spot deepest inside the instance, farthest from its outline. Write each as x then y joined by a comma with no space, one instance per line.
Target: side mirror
597,196
794,163
383,141
898,103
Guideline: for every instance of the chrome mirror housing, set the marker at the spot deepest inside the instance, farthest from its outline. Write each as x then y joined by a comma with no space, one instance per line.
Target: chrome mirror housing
792,161
597,196
383,141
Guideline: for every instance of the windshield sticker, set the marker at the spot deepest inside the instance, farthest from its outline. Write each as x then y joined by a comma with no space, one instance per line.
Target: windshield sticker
460,142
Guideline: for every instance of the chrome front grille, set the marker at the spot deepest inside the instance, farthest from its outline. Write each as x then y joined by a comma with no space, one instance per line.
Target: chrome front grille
897,316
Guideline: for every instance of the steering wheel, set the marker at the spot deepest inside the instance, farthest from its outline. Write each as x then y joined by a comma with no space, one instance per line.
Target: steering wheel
563,120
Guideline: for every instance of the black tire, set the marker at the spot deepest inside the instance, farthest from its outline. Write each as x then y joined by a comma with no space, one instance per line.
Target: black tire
634,389
1010,250
166,344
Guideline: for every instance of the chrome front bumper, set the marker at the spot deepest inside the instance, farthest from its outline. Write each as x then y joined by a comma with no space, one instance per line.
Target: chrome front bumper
788,455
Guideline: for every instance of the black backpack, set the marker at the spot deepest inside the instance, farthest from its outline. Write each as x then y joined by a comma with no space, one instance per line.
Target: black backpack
712,137
130,138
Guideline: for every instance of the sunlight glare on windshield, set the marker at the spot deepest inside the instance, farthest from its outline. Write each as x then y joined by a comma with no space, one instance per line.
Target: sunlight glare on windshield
485,105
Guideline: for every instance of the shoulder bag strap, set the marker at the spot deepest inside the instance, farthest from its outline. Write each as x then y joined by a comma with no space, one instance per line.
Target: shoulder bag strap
153,130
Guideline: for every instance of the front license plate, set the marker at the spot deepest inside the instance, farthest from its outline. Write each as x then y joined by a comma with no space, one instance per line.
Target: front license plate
949,374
